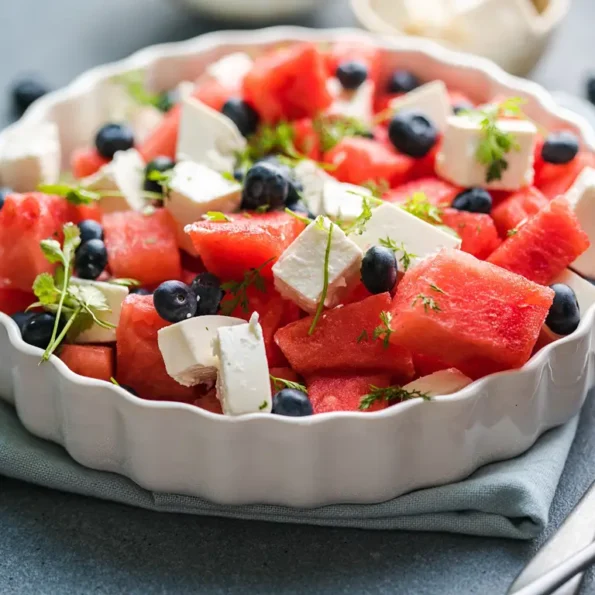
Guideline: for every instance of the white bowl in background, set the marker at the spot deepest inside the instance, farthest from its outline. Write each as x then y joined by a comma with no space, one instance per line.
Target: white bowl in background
513,34
328,458
251,10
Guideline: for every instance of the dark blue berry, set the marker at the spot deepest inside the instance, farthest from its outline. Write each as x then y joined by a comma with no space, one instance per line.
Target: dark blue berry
90,230
160,164
238,174
402,81
474,200
565,314
167,100
175,301
21,318
560,148
25,92
37,331
292,403
591,89
207,288
90,259
351,74
129,389
112,138
301,209
4,192
241,114
412,133
140,291
379,269
461,106
265,184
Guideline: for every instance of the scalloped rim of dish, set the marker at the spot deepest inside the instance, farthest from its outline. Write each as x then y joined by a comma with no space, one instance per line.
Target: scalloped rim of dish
143,58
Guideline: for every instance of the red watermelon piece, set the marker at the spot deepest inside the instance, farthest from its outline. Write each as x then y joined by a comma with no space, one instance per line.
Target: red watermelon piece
354,50
439,192
334,346
477,231
554,180
139,360
142,247
213,93
306,139
344,393
427,364
86,162
14,300
516,208
358,294
230,248
209,402
164,139
284,373
440,311
545,245
359,160
288,84
92,361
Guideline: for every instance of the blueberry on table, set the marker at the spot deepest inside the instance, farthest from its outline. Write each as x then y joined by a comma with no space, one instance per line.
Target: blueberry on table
112,138
4,192
402,81
412,133
160,164
25,92
90,230
90,259
565,314
560,147
292,403
379,269
21,318
242,114
265,184
473,200
37,331
207,288
351,74
175,301
140,291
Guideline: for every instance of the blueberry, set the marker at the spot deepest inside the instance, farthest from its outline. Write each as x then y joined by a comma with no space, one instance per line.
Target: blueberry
292,403
402,81
90,230
25,92
90,259
21,318
112,138
564,315
461,106
4,192
175,301
160,164
129,389
301,209
37,331
207,289
412,133
265,184
241,114
167,100
238,174
591,89
140,291
351,74
474,200
560,147
379,269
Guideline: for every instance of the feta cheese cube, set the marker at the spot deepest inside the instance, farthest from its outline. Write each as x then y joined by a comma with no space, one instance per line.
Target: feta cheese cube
581,196
114,295
196,189
457,161
312,178
144,120
420,239
243,384
299,272
230,70
444,382
187,351
30,155
430,99
356,104
207,136
343,201
124,174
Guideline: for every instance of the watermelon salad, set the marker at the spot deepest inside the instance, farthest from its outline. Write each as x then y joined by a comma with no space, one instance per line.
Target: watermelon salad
297,231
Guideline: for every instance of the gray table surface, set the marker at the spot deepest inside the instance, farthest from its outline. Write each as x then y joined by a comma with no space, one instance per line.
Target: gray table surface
56,543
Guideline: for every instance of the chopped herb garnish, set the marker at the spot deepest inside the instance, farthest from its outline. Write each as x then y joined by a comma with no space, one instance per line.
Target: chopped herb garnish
263,208
263,405
163,178
134,83
405,258
359,225
437,289
216,216
363,336
390,394
377,188
332,129
78,195
280,383
239,289
125,282
512,232
298,216
114,381
428,303
384,330
422,208
327,255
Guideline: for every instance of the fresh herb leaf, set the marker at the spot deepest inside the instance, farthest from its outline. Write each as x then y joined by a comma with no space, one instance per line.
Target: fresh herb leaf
216,216
332,129
74,194
363,336
377,188
263,405
239,289
163,178
134,83
428,303
125,282
359,225
512,232
327,254
281,383
263,208
419,206
437,289
114,381
390,394
384,330
297,216
406,257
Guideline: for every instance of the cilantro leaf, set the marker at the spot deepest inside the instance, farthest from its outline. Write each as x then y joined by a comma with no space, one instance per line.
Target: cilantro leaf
45,290
419,206
390,394
239,289
332,129
359,225
281,383
384,330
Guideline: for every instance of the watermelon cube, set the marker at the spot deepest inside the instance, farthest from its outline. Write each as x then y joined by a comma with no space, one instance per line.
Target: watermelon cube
14,300
139,361
142,246
230,248
545,245
163,140
344,340
359,160
209,402
306,139
516,208
554,180
288,84
344,393
477,231
93,361
213,93
438,192
470,314
86,162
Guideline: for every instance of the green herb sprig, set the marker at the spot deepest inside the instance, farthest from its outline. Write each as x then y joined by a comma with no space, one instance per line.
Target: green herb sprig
239,289
405,258
280,383
428,303
384,330
325,283
216,216
419,206
390,394
79,195
332,129
135,85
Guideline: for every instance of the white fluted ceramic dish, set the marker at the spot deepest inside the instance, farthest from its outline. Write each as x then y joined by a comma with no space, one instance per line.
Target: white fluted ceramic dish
328,458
